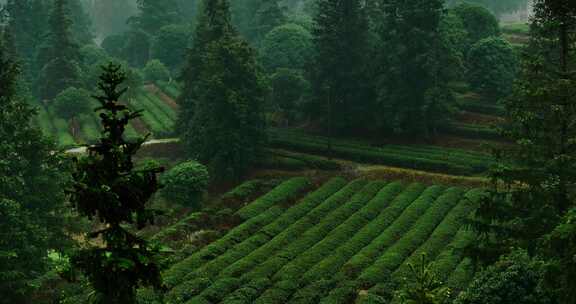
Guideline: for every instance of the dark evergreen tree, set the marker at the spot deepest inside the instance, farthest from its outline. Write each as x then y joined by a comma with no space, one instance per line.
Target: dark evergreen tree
156,14
532,199
108,186
81,23
27,24
339,79
269,15
136,48
60,56
412,88
110,16
205,33
225,96
30,224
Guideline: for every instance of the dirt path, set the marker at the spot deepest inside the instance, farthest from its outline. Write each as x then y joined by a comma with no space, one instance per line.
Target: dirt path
81,150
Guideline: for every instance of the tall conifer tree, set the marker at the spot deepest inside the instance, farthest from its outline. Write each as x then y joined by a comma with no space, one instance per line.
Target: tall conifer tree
410,34
155,14
532,204
339,79
60,56
225,96
30,224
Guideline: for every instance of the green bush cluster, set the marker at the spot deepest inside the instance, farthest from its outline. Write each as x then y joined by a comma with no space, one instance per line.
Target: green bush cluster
186,183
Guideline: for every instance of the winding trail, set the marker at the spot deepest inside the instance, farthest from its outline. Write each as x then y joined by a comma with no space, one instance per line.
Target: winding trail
81,150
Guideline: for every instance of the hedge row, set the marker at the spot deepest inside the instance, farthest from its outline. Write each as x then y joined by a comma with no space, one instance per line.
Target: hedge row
394,232
484,108
373,155
443,234
340,235
152,106
154,125
213,268
294,270
302,259
281,193
442,153
278,294
162,106
248,293
169,89
216,292
315,234
294,231
457,156
395,255
474,131
313,293
282,163
311,161
462,275
242,192
451,255
363,237
184,225
177,273
287,191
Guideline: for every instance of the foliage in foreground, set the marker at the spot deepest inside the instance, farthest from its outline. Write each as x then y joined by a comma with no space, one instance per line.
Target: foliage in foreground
108,187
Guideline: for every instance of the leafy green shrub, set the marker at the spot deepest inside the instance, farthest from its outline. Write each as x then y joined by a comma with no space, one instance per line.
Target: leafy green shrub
155,71
514,279
478,21
170,44
287,46
72,102
186,183
492,67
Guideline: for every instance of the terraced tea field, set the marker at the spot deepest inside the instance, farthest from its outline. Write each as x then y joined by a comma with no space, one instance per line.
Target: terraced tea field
419,157
158,119
340,242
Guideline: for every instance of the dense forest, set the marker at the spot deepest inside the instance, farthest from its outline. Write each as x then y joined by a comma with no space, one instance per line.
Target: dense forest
287,151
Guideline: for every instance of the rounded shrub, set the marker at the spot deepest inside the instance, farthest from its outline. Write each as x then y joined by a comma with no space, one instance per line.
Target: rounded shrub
186,183
155,71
